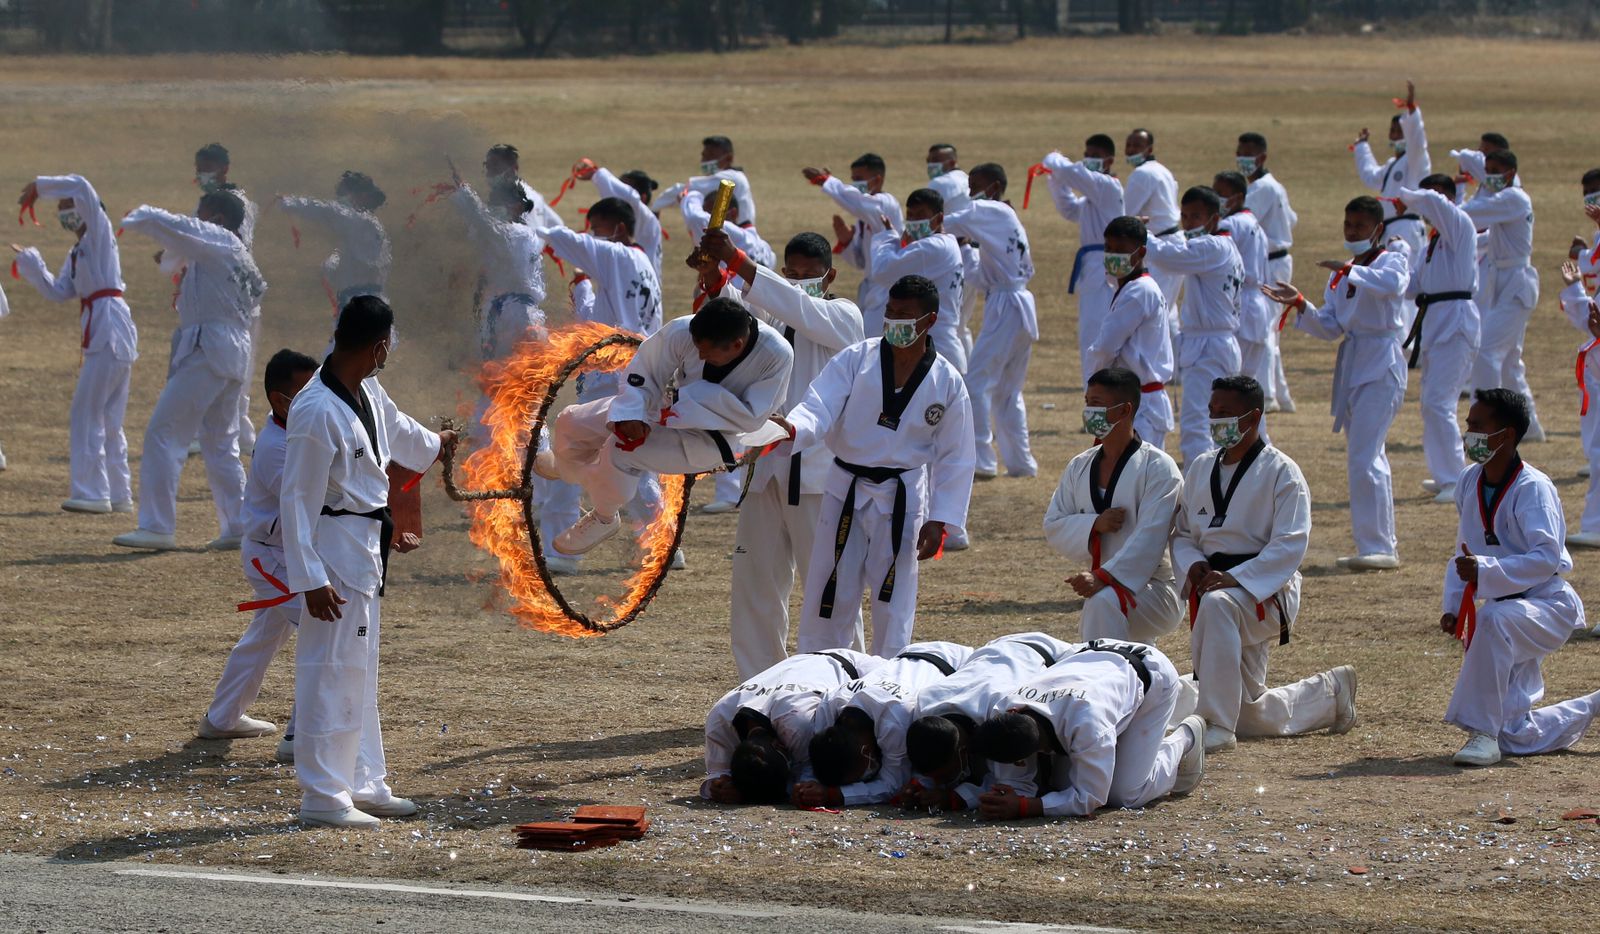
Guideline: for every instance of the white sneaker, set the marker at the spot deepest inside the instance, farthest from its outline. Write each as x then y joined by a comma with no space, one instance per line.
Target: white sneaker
957,541
126,506
1192,765
1481,749
1286,406
1271,406
557,563
223,543
143,538
1446,494
348,818
1584,540
717,507
1370,563
544,464
285,753
1344,698
1431,486
586,533
394,807
95,506
194,448
246,728
1219,739
677,563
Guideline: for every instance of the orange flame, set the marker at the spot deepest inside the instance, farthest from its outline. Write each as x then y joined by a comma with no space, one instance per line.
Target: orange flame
516,387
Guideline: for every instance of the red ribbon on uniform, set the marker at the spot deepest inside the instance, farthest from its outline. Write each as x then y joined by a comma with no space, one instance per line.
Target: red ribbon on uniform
14,273
561,269
27,209
1467,616
567,184
278,585
1034,171
438,191
1583,355
1125,600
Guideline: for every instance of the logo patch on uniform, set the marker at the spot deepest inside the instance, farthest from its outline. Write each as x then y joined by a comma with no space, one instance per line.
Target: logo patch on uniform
360,453
361,632
934,414
634,379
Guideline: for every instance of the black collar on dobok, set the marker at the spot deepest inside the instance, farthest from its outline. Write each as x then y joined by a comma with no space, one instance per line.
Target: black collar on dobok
1489,505
358,404
1220,499
1102,503
895,401
716,374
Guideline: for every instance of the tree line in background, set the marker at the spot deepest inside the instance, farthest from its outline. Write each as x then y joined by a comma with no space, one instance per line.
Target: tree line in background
605,27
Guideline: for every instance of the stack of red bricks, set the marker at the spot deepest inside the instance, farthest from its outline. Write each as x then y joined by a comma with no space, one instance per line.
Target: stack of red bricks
593,826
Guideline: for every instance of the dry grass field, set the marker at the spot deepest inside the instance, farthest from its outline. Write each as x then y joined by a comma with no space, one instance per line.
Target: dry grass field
108,657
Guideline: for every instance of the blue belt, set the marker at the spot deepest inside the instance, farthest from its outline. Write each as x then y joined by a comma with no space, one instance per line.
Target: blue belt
1077,264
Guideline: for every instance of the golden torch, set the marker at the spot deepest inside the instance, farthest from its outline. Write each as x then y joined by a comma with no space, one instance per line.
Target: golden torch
720,202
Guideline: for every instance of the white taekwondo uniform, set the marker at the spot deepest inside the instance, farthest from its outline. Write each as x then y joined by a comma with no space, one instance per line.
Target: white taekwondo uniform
1577,303
869,212
778,519
786,695
1269,202
979,683
1257,314
1140,599
1528,611
1152,192
938,258
1208,322
888,696
998,365
1402,171
1362,308
1108,706
955,188
513,271
647,230
1253,520
209,366
1445,332
261,556
1091,200
691,407
1135,336
901,457
744,236
361,259
335,502
92,273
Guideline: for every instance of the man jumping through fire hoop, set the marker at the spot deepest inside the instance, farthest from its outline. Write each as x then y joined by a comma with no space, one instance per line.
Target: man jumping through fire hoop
691,389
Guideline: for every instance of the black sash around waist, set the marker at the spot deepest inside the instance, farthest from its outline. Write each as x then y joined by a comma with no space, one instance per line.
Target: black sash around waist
1135,654
1278,254
845,663
944,666
1414,339
1220,561
897,524
385,520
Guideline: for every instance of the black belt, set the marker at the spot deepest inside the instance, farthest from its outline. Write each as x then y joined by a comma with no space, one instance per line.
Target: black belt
1169,231
1510,596
1135,654
931,659
1414,339
385,520
723,448
1044,653
1278,254
1226,562
845,663
897,525
794,479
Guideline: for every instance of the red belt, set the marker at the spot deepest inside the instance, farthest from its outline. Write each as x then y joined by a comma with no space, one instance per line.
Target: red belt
282,588
1152,387
1125,600
87,306
1467,616
1583,359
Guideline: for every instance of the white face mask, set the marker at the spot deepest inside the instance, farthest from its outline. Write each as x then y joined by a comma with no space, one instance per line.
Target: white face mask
1094,163
1247,165
862,186
1137,159
206,180
1496,183
1399,146
935,169
710,166
1191,232
901,332
1358,246
1096,421
919,230
1477,445
1119,264
71,220
1226,433
815,288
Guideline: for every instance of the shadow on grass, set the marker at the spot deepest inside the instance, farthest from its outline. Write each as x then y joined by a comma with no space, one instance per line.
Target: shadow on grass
609,747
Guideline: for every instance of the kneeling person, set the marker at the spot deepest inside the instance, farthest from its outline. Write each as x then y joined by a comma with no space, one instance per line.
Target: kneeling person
1113,510
730,372
758,735
1242,534
1511,533
1097,721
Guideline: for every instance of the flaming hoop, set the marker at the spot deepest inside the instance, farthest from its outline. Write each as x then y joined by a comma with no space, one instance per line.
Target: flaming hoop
521,390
